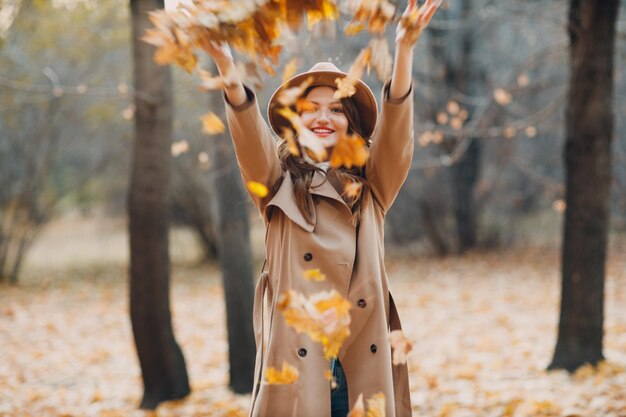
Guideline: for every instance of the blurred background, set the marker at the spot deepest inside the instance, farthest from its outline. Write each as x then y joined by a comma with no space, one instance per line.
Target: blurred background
473,241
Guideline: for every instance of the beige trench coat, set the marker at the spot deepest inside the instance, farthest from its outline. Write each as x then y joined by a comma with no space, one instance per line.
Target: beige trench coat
351,261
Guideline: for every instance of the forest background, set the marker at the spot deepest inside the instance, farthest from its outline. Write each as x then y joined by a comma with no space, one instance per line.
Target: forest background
472,241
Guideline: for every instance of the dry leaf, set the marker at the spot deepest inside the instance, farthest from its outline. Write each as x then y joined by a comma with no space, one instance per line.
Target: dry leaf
324,316
211,124
287,375
358,409
352,189
289,137
350,150
400,345
376,405
257,188
289,96
314,275
306,138
290,69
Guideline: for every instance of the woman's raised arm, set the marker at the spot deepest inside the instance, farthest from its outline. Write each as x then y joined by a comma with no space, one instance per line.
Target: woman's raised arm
254,143
393,144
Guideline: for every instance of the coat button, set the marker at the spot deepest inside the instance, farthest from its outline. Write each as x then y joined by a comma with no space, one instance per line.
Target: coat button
302,352
373,348
361,303
308,256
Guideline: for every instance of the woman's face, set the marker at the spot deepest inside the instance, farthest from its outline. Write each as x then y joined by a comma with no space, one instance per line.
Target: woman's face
325,116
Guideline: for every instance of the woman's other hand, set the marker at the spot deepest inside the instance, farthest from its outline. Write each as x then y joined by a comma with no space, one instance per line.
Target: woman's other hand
414,21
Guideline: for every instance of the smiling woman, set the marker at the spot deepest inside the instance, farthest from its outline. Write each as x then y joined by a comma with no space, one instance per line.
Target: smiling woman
314,224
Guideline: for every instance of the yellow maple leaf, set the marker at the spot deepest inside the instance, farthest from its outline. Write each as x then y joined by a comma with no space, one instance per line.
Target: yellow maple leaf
324,316
212,124
287,375
314,275
257,188
350,150
376,405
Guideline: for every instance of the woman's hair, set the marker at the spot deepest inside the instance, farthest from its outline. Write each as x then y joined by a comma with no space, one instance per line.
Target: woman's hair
302,171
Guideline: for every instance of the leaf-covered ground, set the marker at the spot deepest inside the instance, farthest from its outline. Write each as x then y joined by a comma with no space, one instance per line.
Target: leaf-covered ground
484,327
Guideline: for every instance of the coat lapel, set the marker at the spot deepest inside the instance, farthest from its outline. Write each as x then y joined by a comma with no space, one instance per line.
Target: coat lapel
286,201
322,187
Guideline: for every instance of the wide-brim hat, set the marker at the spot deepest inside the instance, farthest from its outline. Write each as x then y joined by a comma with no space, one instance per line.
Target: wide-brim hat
324,74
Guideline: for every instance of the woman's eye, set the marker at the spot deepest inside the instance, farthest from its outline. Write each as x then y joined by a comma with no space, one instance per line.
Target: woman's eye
337,110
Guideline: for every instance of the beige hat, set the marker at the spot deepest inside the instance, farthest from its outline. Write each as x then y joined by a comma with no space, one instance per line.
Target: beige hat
324,74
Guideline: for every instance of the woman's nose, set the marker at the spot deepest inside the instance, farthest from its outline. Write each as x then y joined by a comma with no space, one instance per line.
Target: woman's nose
322,116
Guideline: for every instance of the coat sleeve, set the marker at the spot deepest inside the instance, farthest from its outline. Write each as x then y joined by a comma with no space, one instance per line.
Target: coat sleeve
255,146
392,147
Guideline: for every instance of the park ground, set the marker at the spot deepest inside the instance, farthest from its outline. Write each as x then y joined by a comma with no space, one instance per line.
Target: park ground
483,325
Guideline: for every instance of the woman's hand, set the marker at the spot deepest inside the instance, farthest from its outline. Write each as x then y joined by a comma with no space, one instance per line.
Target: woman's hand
414,21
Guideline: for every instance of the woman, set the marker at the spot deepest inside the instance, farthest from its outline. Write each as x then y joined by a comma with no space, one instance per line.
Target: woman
311,223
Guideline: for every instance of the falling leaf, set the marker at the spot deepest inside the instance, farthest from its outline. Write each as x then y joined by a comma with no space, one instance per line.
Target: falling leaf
257,188
381,58
346,86
373,15
211,124
289,96
287,375
502,96
358,409
400,345
352,189
324,316
289,137
305,138
313,275
350,150
255,28
179,148
290,70
353,28
376,405
303,105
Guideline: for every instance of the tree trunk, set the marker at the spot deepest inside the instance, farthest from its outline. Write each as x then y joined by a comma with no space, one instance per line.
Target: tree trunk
461,71
162,363
589,133
235,259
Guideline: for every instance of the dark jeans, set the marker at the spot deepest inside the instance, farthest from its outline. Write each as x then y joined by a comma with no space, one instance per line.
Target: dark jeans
339,395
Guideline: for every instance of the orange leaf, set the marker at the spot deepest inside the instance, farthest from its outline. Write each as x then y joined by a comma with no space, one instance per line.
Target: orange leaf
287,375
212,124
257,188
350,150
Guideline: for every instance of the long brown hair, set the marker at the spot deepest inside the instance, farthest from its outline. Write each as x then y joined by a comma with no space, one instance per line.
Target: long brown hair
302,171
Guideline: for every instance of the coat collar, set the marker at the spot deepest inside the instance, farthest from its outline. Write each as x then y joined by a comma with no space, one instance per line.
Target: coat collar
285,199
